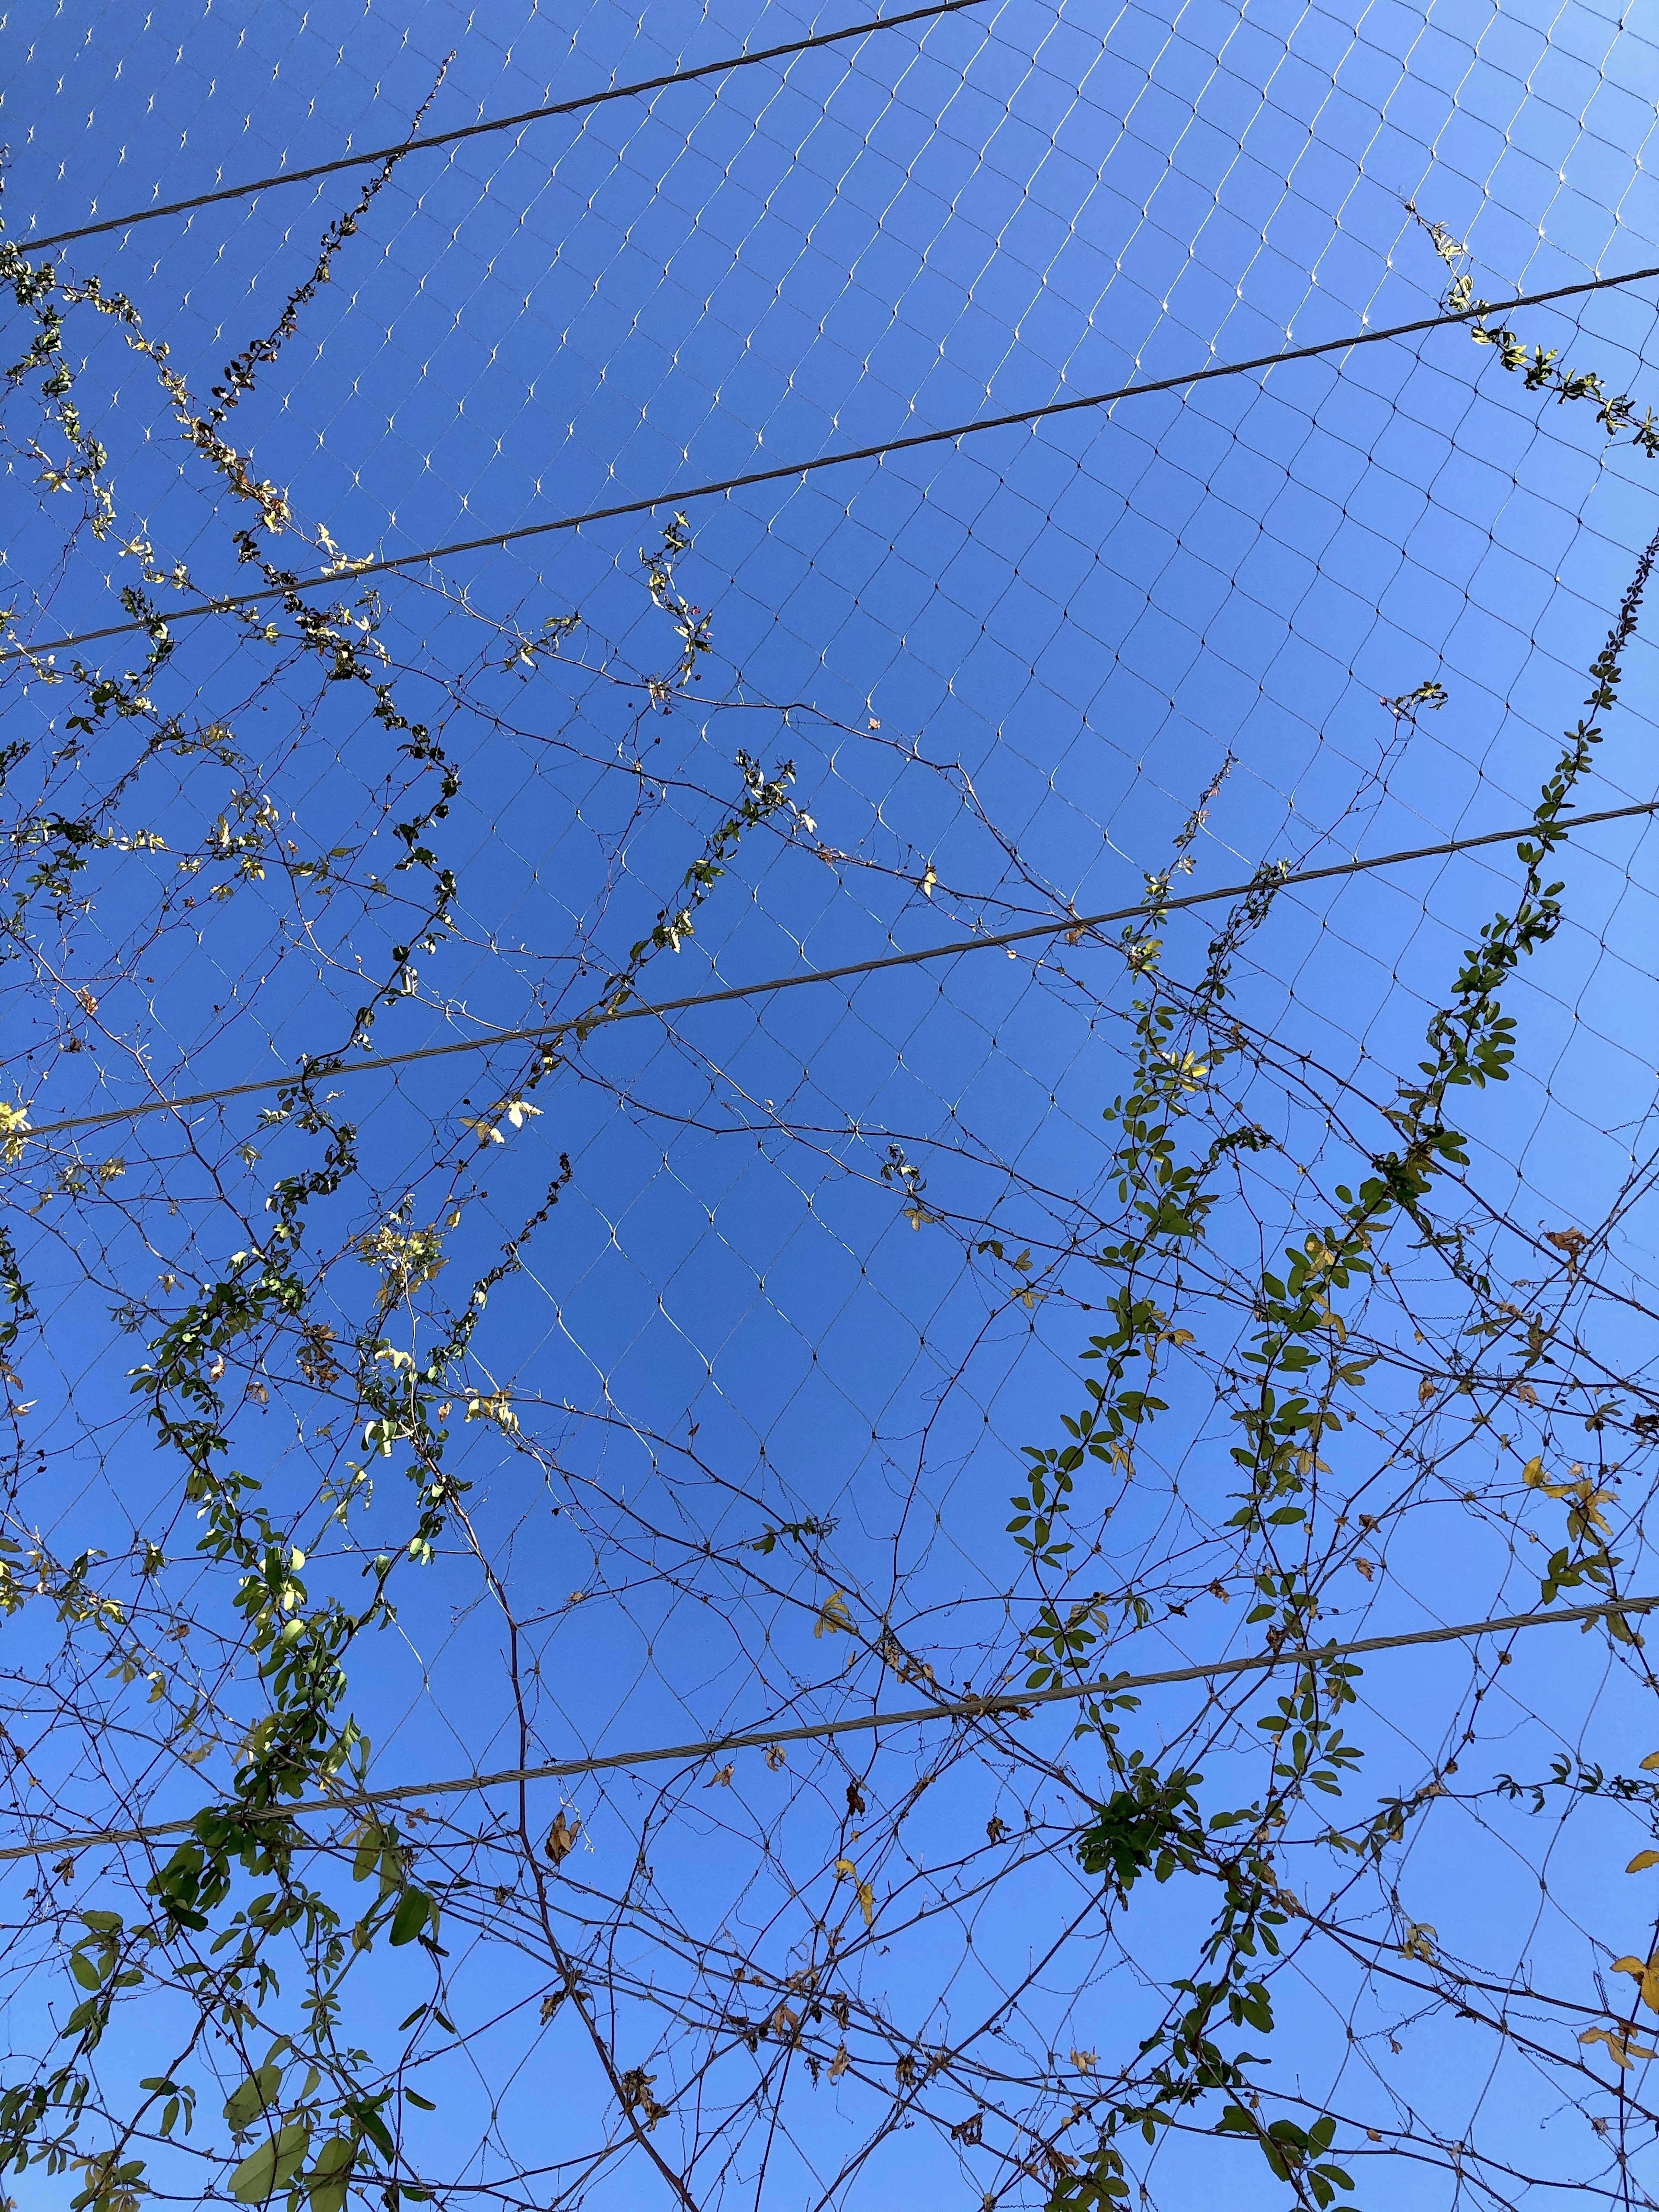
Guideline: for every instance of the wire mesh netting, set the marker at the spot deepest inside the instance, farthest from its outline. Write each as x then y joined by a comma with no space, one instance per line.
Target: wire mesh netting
818,1099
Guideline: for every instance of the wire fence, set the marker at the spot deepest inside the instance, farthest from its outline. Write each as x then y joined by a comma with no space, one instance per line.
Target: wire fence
806,1292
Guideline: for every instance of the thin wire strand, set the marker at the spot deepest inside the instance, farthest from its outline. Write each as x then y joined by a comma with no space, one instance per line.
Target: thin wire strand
1064,925
1013,1702
1049,408
398,150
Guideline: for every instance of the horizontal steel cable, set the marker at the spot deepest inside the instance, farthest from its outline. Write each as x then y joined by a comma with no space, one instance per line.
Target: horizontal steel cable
575,106
1014,1702
722,485
1062,925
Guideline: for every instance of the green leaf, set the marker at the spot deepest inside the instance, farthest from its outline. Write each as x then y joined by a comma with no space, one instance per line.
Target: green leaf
414,2097
273,2166
89,1976
364,2113
246,2101
331,2178
414,1910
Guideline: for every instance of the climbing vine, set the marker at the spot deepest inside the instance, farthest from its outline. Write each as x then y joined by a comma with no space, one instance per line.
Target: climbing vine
317,1344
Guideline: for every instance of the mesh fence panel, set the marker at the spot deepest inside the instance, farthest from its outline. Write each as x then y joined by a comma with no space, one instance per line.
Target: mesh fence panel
547,1400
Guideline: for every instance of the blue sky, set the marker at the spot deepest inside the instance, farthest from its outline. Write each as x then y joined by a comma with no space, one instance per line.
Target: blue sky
1016,662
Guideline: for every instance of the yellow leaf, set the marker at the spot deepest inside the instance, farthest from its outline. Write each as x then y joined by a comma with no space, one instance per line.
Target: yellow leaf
1621,2049
1532,1476
14,1121
832,1616
861,1890
1651,1762
1643,1860
1647,1973
1585,1513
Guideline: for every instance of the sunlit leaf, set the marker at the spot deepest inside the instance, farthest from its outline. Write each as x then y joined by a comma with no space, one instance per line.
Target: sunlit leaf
273,2166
